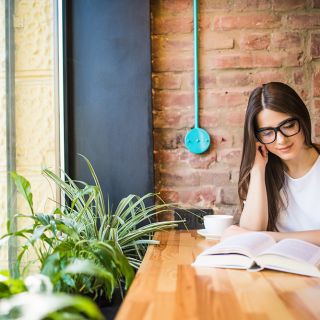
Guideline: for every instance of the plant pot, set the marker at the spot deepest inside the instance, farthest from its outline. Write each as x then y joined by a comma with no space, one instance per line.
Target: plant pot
110,308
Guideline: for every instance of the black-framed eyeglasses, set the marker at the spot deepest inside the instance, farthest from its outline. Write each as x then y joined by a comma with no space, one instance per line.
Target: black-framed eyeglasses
288,128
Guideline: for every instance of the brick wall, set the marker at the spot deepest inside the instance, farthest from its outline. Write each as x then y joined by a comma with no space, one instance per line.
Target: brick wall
242,45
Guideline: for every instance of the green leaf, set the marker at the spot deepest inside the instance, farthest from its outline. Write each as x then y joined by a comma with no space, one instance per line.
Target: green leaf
10,286
23,186
27,305
37,233
90,268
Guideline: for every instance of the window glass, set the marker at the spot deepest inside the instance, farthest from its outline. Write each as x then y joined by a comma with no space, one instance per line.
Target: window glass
3,151
34,127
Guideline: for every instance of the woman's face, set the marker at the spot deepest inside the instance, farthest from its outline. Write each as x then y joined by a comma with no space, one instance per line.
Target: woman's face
286,148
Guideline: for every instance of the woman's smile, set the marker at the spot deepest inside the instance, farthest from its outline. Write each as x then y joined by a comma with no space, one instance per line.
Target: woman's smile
285,149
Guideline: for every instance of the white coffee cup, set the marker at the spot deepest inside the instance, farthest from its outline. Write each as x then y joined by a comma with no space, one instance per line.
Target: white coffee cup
216,223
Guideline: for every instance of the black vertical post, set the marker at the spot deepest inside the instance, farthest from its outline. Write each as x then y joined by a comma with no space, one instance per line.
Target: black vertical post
109,95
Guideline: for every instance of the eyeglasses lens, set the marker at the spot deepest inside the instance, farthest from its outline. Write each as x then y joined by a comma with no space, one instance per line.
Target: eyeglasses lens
288,129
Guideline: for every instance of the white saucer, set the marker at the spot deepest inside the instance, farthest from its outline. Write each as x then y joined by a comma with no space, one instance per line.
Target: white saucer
204,233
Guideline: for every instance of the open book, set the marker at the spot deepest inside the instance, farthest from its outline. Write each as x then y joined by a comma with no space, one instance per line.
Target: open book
256,251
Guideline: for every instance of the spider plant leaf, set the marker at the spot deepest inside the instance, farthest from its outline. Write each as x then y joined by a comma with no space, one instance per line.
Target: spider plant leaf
23,186
96,180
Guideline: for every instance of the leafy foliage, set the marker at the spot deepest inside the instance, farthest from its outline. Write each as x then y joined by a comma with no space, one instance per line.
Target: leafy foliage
84,246
130,226
74,262
33,299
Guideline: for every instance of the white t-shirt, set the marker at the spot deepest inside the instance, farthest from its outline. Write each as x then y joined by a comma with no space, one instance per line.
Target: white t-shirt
303,210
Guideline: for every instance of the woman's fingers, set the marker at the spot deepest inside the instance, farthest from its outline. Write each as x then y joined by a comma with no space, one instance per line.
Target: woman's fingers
261,148
264,151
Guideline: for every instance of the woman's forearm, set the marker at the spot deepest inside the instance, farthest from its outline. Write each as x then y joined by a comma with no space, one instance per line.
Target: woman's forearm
255,212
312,236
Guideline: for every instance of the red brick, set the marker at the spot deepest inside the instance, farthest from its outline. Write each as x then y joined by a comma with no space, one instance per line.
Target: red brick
212,5
233,79
176,42
230,156
317,105
316,84
204,22
255,5
317,129
223,138
173,119
315,45
169,196
204,196
166,81
187,80
236,22
299,77
176,62
165,120
207,80
172,24
286,40
281,5
265,60
303,93
168,138
242,60
229,195
176,6
235,175
212,41
167,157
202,161
209,119
236,117
214,178
261,77
219,61
172,98
316,4
254,41
222,99
175,178
293,59
303,21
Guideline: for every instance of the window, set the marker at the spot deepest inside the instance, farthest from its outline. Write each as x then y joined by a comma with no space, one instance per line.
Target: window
29,117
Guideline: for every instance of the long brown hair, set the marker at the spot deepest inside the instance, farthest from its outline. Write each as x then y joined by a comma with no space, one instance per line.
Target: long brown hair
278,97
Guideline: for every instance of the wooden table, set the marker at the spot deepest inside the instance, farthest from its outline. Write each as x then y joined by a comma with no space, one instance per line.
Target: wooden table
167,287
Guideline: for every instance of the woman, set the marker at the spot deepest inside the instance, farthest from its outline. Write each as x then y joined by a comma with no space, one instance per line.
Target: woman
279,180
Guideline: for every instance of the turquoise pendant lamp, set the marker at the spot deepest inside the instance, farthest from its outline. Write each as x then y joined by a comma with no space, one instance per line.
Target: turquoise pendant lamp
197,140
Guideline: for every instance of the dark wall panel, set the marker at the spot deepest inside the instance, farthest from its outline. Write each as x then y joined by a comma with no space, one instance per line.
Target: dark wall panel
109,118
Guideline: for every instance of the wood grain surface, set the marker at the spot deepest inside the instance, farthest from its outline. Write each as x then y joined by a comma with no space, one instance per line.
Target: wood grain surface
167,287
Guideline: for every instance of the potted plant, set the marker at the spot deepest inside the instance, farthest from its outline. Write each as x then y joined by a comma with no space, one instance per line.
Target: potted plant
84,246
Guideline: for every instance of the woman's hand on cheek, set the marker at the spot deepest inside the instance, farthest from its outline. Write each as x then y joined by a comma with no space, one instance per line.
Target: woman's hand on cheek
261,158
232,231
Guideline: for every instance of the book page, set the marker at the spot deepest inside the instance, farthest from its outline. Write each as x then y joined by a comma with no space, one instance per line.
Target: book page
296,249
249,244
235,261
